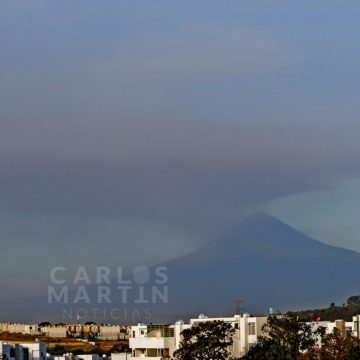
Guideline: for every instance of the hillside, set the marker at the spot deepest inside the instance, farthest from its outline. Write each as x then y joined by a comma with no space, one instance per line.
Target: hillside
266,263
262,261
345,312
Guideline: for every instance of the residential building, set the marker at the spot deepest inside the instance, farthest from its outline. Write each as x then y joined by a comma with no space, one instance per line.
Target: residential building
54,331
108,332
120,356
30,329
153,341
30,351
160,341
7,352
247,329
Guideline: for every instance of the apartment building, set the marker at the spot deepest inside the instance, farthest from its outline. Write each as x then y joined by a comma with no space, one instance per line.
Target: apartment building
160,341
153,341
7,352
247,329
30,351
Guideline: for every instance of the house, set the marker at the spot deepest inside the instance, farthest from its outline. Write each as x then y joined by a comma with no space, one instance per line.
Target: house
54,331
108,332
30,329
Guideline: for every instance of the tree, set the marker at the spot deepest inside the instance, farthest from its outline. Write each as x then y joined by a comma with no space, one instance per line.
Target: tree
353,351
266,349
332,348
57,350
335,346
206,340
285,338
353,300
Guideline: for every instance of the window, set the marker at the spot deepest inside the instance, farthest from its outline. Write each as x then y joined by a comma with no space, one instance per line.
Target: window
252,328
26,354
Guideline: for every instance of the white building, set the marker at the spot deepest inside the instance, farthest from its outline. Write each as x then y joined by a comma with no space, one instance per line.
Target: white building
344,327
247,329
30,329
25,351
159,341
6,351
30,351
108,332
356,326
152,341
54,331
120,356
60,357
88,357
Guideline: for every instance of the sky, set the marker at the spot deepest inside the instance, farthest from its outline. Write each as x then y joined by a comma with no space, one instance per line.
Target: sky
129,125
329,216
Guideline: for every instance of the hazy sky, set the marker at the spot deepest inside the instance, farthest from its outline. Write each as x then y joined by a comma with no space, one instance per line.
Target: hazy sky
331,216
132,125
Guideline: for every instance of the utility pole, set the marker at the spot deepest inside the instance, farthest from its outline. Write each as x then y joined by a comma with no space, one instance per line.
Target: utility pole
238,306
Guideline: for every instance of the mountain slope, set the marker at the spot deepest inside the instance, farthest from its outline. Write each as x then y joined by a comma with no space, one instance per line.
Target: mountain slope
262,261
266,263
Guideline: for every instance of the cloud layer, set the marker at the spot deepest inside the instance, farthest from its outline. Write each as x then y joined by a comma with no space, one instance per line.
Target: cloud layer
162,119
